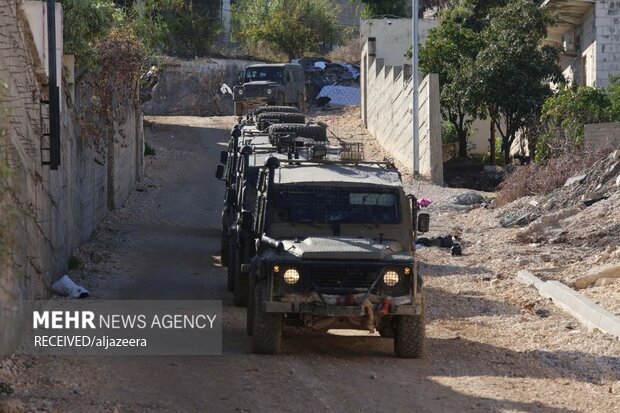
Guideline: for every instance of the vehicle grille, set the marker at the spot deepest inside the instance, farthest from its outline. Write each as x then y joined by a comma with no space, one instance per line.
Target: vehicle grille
254,91
340,278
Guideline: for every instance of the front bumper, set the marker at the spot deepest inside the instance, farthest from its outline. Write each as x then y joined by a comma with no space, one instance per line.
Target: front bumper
320,309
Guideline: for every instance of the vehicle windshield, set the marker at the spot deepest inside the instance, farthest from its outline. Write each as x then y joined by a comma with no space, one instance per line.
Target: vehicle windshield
318,205
268,73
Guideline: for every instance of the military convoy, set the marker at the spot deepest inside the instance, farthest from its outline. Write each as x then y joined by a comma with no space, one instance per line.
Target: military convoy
315,236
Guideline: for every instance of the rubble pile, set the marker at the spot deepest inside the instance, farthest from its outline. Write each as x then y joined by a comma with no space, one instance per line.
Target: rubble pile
598,183
337,81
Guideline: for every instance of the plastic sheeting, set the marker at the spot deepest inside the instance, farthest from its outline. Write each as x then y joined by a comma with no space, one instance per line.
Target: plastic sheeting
341,95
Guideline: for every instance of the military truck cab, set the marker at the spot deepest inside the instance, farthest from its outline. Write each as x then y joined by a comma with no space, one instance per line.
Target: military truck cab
270,84
334,250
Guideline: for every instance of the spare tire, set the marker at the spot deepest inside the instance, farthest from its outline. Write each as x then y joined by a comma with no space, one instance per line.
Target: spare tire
312,131
270,118
280,109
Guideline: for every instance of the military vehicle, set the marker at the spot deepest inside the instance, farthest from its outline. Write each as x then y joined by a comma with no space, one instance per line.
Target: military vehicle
333,249
270,84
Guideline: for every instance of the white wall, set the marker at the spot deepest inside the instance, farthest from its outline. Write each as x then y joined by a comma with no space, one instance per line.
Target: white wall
394,37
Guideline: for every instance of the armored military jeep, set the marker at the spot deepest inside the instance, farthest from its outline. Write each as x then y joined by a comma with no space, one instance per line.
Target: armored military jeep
270,84
334,250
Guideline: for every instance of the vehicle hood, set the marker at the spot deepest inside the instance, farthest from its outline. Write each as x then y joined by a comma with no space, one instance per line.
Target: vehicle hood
342,248
261,83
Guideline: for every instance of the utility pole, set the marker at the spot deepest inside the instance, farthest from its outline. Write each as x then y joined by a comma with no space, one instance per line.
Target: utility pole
54,94
416,83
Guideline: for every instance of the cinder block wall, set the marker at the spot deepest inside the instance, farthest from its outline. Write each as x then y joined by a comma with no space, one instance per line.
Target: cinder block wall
607,15
387,112
45,214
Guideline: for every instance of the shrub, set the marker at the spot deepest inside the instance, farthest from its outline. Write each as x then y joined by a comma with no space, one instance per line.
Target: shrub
537,179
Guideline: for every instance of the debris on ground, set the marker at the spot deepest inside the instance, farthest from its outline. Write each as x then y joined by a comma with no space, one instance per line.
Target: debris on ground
67,288
468,198
341,95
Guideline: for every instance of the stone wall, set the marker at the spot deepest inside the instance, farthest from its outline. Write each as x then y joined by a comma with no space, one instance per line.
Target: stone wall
192,88
387,113
51,212
602,135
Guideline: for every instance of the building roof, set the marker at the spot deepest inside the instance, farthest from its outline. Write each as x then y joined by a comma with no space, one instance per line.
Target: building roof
570,13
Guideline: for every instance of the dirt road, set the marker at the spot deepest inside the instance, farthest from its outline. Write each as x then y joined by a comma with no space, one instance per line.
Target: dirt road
164,245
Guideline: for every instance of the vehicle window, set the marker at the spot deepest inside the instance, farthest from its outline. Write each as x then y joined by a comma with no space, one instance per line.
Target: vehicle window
329,205
271,74
289,77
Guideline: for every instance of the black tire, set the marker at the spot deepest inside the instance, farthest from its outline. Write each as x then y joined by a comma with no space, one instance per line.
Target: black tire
410,335
242,289
267,330
232,253
280,109
249,321
316,132
224,248
385,328
269,118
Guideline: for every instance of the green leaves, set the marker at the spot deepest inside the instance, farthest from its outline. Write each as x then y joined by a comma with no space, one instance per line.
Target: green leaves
379,8
489,60
288,27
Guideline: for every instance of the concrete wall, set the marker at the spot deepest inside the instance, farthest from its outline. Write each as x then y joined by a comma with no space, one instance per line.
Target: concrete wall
387,113
393,37
192,88
607,14
601,135
51,212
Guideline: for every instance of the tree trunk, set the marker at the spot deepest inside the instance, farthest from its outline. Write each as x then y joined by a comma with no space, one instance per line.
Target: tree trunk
492,144
507,145
462,142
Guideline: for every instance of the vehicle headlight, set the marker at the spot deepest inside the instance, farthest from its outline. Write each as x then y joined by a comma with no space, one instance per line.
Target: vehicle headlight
240,91
390,278
269,91
291,276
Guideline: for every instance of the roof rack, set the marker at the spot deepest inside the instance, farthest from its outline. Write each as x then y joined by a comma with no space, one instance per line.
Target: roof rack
300,162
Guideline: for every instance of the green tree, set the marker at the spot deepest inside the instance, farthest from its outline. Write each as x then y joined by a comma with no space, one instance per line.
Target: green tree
85,22
379,8
513,71
181,28
564,116
450,51
284,27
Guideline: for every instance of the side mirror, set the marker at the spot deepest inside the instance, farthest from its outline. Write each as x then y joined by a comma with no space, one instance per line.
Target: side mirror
424,222
219,172
247,220
231,196
223,156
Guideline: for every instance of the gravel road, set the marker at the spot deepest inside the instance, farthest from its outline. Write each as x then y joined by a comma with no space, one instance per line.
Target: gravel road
486,353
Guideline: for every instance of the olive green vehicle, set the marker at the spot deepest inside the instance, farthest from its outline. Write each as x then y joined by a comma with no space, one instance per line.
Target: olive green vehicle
333,249
280,84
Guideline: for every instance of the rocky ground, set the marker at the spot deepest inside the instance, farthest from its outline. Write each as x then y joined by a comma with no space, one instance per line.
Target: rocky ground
493,345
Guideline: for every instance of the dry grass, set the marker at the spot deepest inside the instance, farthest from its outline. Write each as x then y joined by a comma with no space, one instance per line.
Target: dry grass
536,179
350,52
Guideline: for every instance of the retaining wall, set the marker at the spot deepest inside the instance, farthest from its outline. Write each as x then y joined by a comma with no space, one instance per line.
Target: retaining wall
387,96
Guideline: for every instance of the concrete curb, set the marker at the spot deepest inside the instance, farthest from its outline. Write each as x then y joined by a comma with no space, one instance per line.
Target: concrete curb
588,313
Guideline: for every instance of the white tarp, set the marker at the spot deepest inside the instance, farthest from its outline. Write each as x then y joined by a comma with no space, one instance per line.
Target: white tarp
341,95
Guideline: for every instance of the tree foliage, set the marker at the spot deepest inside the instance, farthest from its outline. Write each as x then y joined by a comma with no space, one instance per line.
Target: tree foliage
85,22
380,8
565,114
181,28
513,71
490,62
288,27
450,51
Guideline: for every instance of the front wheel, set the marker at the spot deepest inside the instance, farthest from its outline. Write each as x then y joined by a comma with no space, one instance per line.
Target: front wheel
410,335
267,329
232,256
